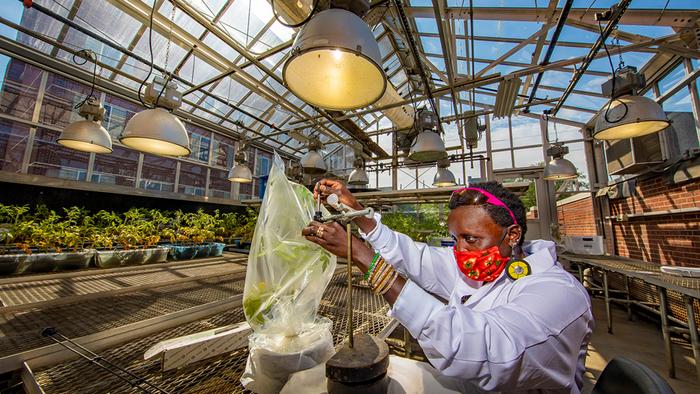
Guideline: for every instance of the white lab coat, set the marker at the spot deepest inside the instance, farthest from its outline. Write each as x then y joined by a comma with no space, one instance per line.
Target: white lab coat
509,335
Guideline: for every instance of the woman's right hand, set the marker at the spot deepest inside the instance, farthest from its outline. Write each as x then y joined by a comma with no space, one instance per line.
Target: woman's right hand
327,187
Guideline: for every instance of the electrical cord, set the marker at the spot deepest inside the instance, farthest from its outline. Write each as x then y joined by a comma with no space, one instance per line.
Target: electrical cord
87,54
150,51
607,109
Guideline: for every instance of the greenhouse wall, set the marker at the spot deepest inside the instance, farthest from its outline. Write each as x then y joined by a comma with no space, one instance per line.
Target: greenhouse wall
35,105
663,222
575,215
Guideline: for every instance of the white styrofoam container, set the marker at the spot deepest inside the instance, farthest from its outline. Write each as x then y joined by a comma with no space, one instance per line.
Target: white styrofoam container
592,244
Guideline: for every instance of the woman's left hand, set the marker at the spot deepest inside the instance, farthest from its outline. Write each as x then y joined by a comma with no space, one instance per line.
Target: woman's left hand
331,236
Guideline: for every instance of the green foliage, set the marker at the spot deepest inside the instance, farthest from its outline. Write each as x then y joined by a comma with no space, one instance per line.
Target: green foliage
427,221
45,230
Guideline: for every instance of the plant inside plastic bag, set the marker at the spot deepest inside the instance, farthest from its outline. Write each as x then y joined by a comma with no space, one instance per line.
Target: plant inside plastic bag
285,279
286,274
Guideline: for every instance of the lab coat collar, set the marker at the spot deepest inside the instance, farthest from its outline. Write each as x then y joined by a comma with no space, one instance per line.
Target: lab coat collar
540,254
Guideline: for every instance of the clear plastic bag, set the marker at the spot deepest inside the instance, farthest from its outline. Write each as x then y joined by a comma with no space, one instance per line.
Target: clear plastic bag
285,279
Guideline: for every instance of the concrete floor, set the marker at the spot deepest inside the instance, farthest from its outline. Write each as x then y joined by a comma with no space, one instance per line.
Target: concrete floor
640,340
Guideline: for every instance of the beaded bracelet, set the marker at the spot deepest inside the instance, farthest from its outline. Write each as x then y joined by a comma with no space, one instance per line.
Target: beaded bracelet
376,257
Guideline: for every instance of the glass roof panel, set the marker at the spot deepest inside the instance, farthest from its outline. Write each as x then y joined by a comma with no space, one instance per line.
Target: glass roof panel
438,62
159,45
431,45
385,46
181,19
507,29
426,25
196,70
47,26
108,20
215,43
378,30
208,8
491,50
255,104
245,19
275,35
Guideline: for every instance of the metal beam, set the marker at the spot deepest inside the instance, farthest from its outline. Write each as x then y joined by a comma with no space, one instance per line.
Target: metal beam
614,20
550,49
667,46
551,12
518,40
649,17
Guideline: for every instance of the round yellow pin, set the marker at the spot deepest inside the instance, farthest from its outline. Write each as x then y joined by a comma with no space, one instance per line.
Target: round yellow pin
517,269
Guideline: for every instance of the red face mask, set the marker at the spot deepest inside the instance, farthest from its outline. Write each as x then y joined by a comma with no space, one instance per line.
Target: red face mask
481,265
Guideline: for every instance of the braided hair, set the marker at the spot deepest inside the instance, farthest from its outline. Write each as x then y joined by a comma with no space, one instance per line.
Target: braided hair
499,215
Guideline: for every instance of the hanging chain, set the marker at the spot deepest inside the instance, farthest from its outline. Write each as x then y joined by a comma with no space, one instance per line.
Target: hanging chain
170,35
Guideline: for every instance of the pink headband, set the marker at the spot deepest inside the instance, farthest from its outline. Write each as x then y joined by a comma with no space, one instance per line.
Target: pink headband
490,199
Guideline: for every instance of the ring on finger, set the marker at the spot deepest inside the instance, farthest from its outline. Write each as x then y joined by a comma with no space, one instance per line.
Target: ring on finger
319,231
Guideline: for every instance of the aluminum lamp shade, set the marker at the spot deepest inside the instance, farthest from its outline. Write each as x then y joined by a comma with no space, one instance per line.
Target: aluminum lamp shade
428,146
240,173
156,131
444,177
641,116
312,163
560,168
86,136
335,62
358,177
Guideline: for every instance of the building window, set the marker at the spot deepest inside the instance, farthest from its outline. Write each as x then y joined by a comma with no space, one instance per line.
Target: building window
158,173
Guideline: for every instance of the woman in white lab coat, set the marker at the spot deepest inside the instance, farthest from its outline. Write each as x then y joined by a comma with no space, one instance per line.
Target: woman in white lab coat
514,319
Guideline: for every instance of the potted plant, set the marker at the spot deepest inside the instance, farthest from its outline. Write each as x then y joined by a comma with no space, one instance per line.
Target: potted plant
130,241
44,241
195,234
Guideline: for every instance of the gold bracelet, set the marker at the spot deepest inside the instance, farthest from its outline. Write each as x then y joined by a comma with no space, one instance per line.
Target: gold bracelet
383,280
386,268
390,284
381,266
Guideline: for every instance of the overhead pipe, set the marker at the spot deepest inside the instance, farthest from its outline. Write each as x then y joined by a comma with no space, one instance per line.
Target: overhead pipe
550,49
414,51
614,19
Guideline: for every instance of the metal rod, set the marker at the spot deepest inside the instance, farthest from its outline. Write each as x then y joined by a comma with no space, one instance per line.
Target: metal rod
621,8
607,301
627,296
695,342
666,333
550,48
96,359
349,302
414,51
